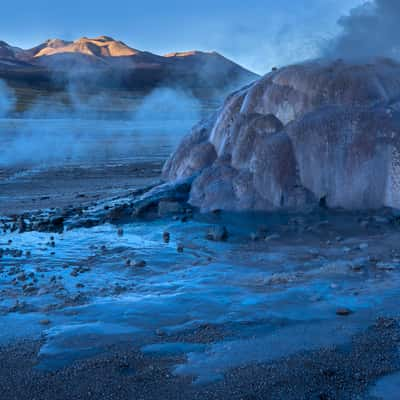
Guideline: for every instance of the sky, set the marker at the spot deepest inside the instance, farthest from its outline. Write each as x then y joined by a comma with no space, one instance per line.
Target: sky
258,34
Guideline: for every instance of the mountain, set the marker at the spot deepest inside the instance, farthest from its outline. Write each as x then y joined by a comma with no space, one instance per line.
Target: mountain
11,56
106,62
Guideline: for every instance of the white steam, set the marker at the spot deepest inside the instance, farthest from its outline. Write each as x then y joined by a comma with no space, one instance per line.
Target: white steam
102,128
7,100
369,30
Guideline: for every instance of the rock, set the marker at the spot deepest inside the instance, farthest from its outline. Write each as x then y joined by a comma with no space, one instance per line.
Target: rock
166,237
16,253
180,248
343,312
357,267
44,322
270,145
53,224
21,225
22,277
29,289
140,264
217,233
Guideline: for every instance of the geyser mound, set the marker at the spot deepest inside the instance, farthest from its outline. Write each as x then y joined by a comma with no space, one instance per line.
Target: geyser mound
317,131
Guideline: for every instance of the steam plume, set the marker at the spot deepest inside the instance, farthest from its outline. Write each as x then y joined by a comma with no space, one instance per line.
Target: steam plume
7,100
371,29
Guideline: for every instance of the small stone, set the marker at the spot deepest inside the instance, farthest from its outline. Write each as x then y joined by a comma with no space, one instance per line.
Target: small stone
373,259
166,237
140,263
357,267
29,289
128,263
120,232
179,248
217,233
21,225
44,322
343,312
22,277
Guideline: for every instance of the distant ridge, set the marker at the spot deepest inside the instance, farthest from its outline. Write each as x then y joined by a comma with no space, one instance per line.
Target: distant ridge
126,67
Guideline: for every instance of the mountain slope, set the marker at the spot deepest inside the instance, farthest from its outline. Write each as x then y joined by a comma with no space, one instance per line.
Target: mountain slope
105,62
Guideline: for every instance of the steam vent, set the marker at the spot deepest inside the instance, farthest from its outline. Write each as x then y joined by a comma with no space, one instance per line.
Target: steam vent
320,132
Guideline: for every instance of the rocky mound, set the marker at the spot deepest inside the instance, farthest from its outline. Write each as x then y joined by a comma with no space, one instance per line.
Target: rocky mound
317,132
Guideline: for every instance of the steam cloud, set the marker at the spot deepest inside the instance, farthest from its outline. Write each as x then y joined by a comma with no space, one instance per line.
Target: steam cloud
371,29
83,127
7,100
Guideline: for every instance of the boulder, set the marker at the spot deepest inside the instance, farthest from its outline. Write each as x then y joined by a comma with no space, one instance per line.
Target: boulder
319,132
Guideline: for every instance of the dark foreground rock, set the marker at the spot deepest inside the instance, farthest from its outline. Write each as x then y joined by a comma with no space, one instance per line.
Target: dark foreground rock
168,199
314,133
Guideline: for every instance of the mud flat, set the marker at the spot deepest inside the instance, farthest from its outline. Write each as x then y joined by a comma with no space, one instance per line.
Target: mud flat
174,304
27,189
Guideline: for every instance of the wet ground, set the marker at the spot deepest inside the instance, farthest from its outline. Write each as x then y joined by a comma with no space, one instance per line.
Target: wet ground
76,162
288,307
55,154
285,307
